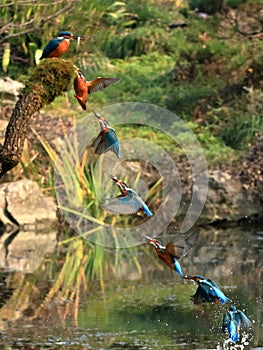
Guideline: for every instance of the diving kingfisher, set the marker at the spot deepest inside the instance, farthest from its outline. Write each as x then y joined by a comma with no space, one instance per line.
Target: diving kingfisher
107,139
58,46
84,87
172,253
128,202
232,321
207,291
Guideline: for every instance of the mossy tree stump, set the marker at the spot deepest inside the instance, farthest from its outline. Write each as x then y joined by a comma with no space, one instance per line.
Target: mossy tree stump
50,79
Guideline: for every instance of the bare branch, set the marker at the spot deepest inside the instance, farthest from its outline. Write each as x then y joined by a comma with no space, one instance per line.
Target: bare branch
59,12
44,20
24,24
16,34
31,3
4,28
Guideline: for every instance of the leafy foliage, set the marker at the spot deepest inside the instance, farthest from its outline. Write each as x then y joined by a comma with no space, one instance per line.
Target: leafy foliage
192,70
27,26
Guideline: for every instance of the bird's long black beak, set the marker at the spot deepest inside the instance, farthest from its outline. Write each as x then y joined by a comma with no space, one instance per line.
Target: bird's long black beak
115,179
188,277
98,116
78,37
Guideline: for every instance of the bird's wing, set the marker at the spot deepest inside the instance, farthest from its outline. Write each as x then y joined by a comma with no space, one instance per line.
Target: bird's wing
201,296
112,142
175,250
242,318
212,283
100,83
215,291
180,251
189,242
107,141
96,142
51,46
142,203
123,205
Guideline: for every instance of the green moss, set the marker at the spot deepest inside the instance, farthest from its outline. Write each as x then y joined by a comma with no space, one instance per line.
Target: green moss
50,79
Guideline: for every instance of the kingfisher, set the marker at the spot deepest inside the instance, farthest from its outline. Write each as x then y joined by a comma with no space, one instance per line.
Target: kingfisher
232,321
207,291
128,202
59,45
172,253
84,87
107,139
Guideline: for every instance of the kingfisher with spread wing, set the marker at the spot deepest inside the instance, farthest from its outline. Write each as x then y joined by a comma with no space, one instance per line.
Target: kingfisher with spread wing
172,253
128,202
107,139
232,321
84,87
207,291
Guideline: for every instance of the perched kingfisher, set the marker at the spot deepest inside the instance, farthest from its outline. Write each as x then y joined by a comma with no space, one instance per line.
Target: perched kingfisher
172,253
129,202
107,139
58,46
232,321
83,87
207,291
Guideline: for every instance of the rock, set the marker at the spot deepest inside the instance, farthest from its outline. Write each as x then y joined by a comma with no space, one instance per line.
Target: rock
227,199
9,89
23,203
252,172
27,210
24,250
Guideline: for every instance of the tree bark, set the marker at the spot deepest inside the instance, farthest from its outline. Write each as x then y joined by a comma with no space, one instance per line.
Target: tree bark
49,80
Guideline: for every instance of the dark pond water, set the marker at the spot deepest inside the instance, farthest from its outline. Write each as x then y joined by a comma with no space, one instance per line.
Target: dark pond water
148,311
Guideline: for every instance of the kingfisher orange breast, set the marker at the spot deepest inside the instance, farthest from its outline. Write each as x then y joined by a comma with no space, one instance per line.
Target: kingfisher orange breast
165,258
80,87
60,49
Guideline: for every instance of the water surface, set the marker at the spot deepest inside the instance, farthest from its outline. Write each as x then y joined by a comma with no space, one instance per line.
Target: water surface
151,310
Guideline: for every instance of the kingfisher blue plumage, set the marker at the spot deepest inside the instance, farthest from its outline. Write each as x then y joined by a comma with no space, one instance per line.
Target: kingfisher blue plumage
59,45
84,87
128,202
172,253
107,139
207,291
232,321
